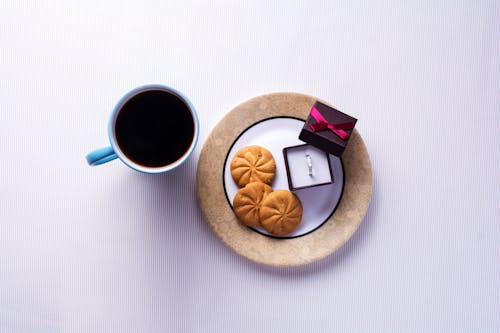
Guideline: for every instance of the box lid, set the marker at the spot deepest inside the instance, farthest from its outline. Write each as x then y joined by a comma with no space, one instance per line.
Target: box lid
327,129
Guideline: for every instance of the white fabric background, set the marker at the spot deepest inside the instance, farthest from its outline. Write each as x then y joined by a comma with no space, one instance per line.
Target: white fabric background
107,249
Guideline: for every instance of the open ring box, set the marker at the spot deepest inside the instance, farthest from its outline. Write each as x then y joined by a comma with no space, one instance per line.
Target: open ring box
326,131
307,166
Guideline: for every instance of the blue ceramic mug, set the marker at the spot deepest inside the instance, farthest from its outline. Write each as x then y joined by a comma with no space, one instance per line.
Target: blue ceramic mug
152,129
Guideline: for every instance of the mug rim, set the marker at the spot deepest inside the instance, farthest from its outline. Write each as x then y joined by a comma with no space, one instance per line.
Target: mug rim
119,106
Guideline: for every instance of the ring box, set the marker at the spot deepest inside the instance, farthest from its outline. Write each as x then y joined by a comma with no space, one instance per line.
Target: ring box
307,166
327,129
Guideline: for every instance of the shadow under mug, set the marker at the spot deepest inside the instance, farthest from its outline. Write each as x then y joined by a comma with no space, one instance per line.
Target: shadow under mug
152,129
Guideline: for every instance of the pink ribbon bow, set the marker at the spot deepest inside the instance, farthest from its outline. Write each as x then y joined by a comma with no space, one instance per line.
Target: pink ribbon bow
322,124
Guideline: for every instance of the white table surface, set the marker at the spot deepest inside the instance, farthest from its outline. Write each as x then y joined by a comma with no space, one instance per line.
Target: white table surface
107,249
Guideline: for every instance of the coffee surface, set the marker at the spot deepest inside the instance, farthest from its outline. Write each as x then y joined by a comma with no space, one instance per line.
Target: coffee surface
154,128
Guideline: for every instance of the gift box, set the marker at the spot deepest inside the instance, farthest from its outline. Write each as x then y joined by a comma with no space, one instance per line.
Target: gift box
307,166
327,129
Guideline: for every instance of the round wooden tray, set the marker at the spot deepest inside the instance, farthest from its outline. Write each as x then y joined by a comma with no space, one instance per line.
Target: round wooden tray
255,246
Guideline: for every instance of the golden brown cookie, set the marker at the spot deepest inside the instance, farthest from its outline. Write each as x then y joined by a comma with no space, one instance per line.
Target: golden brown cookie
253,164
246,202
280,212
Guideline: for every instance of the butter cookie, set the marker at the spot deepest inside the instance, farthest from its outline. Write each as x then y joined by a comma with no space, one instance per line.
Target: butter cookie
280,212
253,164
247,201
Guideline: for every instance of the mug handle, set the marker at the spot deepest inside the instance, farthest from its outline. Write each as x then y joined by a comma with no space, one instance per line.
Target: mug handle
101,155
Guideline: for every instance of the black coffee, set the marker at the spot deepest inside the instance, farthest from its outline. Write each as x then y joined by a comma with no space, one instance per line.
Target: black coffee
154,128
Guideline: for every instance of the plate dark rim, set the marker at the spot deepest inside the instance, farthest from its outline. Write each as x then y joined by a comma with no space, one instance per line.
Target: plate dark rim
256,230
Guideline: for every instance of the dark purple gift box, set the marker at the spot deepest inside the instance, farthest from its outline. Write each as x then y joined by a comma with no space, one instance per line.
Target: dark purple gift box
328,129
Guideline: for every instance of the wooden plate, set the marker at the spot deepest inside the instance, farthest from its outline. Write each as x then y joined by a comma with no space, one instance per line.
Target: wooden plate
258,247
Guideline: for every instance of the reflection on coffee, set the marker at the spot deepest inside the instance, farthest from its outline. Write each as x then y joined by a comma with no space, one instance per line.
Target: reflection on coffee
154,128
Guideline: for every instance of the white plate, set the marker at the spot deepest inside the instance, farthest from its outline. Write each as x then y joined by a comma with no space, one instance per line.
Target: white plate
318,202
